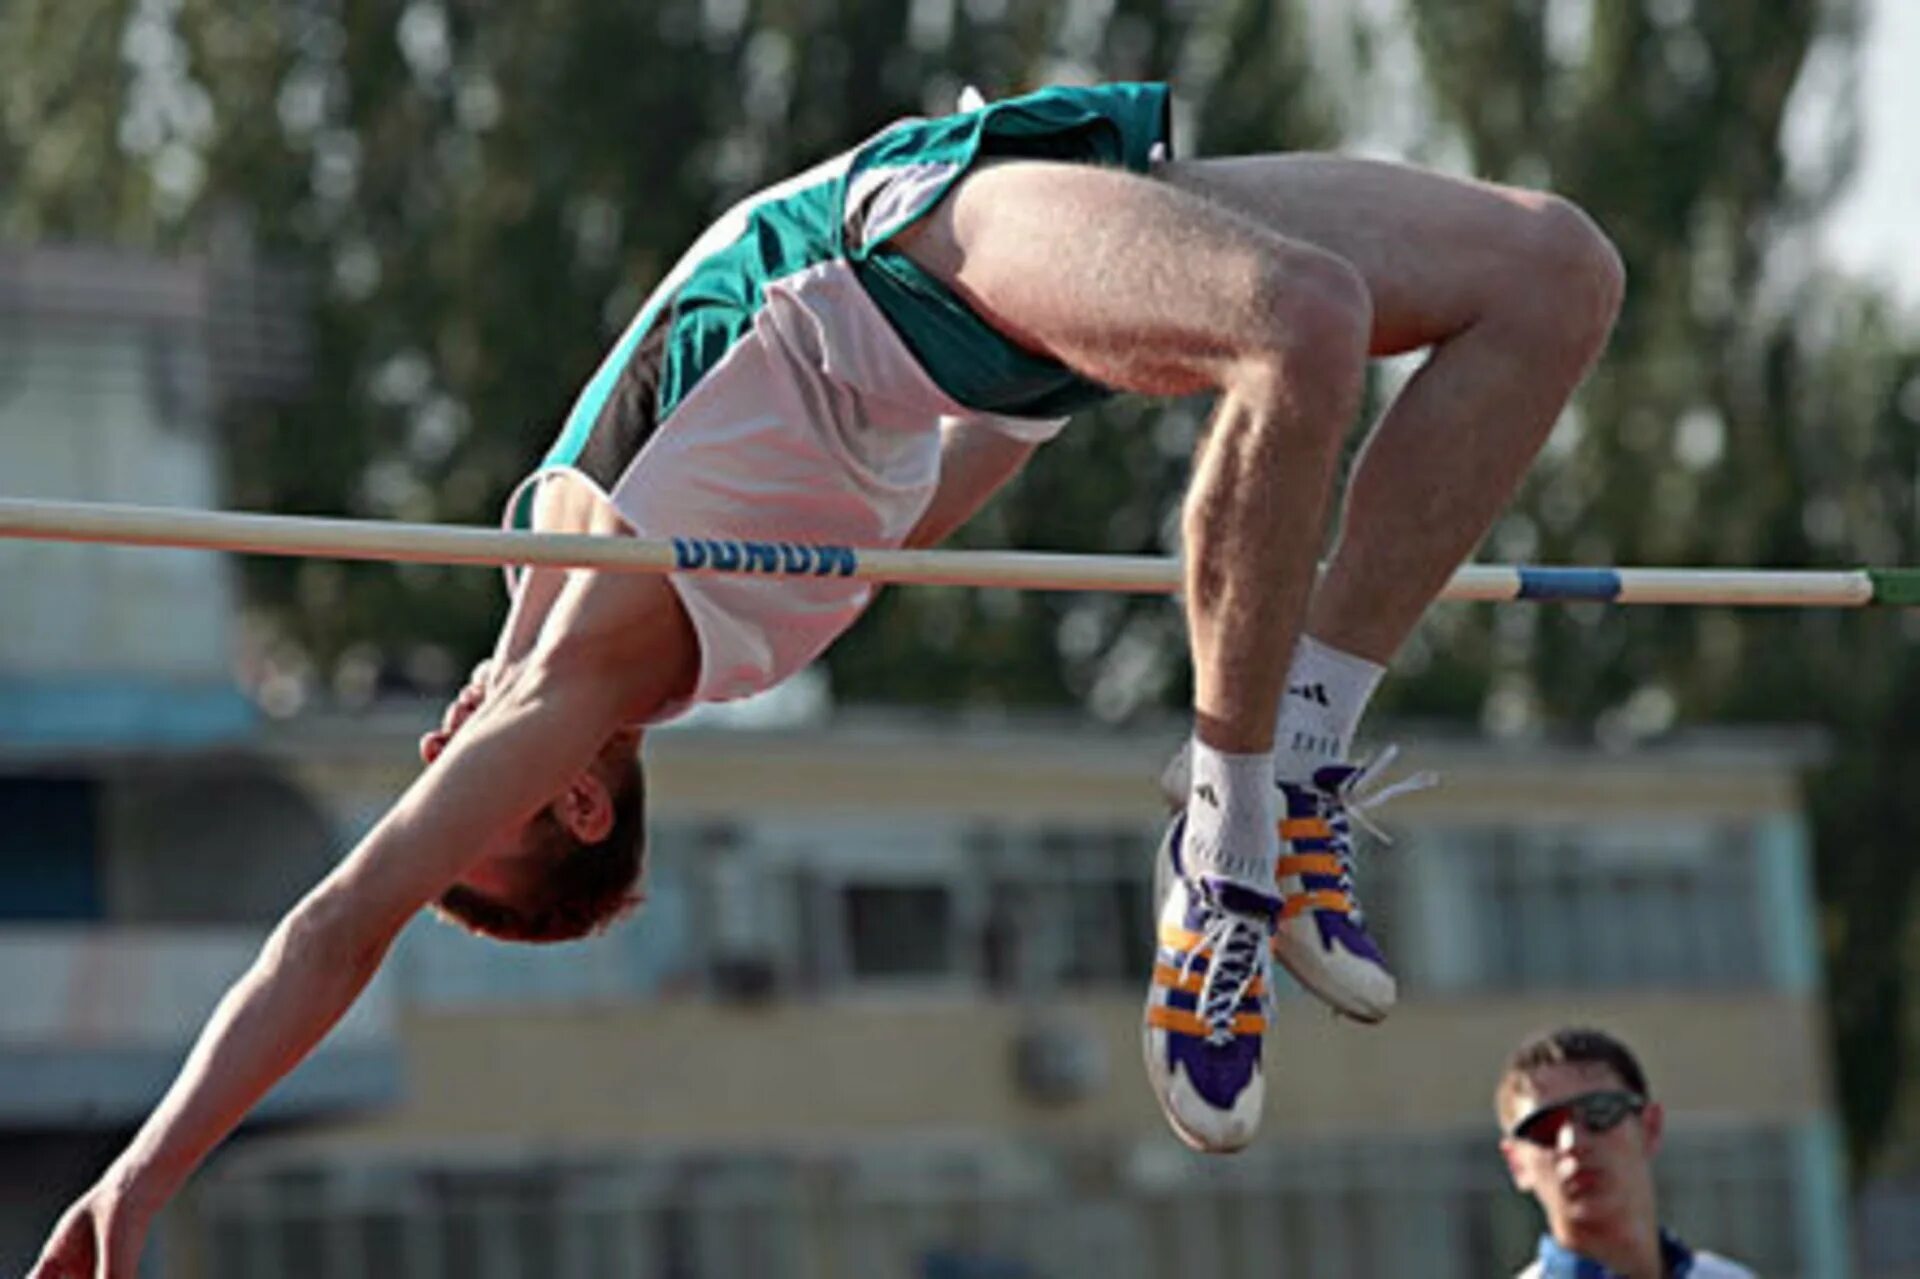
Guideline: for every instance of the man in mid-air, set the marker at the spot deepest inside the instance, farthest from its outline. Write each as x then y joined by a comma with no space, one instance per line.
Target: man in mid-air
863,355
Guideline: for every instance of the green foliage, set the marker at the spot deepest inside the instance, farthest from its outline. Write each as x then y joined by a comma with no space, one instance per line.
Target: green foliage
479,201
1750,411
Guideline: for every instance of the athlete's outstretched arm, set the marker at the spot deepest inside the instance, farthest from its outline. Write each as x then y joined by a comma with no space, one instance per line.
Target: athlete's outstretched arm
539,730
975,461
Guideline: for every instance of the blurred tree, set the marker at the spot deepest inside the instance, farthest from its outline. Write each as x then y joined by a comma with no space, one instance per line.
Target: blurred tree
1751,411
64,167
480,199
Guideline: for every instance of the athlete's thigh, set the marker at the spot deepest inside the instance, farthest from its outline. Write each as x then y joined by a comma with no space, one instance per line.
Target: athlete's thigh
1126,280
1431,248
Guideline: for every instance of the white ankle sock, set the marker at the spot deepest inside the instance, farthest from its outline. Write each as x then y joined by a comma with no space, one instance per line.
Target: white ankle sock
1327,693
1230,819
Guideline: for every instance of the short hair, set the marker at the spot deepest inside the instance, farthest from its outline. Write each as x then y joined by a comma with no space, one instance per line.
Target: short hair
1569,1046
588,887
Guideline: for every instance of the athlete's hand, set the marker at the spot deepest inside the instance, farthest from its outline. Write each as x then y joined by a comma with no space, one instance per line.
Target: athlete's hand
100,1238
458,712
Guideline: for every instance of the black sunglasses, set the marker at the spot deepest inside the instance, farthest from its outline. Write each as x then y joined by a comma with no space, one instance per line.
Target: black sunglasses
1597,1112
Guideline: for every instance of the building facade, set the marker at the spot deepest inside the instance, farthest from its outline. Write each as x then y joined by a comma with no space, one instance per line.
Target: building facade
145,847
880,1016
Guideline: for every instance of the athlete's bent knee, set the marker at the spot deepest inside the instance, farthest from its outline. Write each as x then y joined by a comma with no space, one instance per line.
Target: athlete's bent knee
1309,297
1316,316
1578,276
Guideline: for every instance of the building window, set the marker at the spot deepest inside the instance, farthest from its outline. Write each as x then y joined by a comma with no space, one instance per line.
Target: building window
1545,907
1064,907
48,849
898,930
751,910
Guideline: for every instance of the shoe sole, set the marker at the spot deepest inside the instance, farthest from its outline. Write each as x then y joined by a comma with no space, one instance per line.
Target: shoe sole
1302,973
1187,1136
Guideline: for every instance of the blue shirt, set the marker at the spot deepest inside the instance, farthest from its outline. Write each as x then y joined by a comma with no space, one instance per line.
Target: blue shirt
1682,1262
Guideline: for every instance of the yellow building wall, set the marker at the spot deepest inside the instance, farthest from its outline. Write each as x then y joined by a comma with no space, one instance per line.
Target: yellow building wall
697,1073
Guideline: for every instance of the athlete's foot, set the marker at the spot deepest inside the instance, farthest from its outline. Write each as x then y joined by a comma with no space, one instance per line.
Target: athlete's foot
1206,1005
1322,937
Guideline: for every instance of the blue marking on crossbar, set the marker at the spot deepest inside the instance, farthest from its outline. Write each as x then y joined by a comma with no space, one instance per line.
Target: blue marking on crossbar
796,559
1569,584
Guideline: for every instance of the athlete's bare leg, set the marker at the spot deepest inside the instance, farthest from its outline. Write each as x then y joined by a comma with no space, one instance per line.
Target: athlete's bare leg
1514,291
1145,287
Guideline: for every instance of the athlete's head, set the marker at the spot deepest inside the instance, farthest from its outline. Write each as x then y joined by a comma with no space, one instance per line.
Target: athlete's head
1580,1134
574,867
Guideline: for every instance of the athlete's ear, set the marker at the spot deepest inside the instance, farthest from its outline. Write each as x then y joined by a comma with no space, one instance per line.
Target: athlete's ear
585,808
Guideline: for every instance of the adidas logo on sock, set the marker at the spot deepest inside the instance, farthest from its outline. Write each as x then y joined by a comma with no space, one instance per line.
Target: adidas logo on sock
1316,693
1206,791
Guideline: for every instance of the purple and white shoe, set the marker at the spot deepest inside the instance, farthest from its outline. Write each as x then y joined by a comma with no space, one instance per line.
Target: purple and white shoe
1206,1015
1321,937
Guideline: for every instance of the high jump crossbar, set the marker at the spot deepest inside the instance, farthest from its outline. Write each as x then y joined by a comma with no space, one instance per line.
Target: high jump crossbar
327,538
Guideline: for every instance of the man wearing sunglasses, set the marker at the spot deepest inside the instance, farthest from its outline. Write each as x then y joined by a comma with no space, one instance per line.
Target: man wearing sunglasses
1580,1134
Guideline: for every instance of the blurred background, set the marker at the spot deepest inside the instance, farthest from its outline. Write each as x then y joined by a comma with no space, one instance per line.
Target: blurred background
879,1016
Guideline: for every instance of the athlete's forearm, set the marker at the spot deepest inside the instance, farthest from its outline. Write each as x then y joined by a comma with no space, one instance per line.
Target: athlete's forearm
538,589
541,728
306,976
975,461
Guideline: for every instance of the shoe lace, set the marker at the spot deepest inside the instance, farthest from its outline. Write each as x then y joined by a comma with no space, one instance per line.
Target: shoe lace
1238,944
1358,793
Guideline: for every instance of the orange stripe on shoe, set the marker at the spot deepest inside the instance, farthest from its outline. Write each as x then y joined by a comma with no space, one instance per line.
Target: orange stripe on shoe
1191,982
1174,937
1182,1022
1307,864
1320,899
1305,828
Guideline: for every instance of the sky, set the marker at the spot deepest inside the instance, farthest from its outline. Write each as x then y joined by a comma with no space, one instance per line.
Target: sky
1874,228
